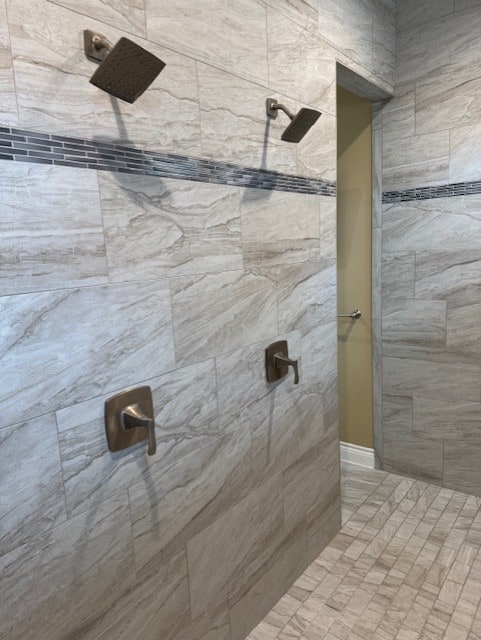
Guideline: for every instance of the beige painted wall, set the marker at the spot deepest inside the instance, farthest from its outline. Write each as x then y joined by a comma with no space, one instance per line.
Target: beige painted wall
354,267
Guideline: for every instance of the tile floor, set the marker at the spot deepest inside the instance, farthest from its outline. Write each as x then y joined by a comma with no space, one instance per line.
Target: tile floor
406,565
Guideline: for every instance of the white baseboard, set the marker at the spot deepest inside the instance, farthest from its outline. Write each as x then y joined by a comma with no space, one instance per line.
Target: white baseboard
359,456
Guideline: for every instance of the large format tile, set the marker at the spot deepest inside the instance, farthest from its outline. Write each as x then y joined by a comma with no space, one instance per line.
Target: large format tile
8,107
187,496
398,114
124,14
398,276
54,94
465,157
451,275
317,151
160,227
463,327
446,419
421,322
52,229
328,231
408,376
234,547
306,294
80,567
301,65
235,124
419,161
62,347
279,228
185,406
411,13
215,313
450,223
462,469
32,499
384,40
239,44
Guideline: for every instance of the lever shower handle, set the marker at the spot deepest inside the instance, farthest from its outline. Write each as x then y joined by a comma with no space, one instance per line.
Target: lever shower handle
132,417
280,359
354,314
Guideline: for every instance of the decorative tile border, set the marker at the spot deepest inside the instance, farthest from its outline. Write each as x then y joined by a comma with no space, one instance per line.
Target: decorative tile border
428,193
42,148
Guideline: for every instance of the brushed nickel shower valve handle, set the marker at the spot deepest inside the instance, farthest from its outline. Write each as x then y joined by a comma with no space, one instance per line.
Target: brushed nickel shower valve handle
354,314
280,359
132,417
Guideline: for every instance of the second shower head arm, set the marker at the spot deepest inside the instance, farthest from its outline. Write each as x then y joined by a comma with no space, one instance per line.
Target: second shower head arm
272,107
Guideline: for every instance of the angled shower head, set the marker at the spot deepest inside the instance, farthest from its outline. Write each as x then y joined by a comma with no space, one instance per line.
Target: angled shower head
126,70
300,123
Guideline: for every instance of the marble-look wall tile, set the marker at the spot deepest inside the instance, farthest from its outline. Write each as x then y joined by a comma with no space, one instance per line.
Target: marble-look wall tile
304,12
383,40
348,26
156,607
463,327
301,65
419,161
450,223
319,356
212,625
80,567
232,37
328,231
449,98
398,276
317,151
376,173
124,14
184,498
465,157
54,94
399,114
284,567
460,5
235,123
214,313
160,227
279,227
235,552
462,471
62,347
442,419
52,229
404,376
31,472
452,275
303,487
415,322
376,272
410,13
306,294
185,406
8,107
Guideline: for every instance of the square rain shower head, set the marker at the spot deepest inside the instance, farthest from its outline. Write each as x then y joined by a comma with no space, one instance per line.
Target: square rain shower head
300,125
127,71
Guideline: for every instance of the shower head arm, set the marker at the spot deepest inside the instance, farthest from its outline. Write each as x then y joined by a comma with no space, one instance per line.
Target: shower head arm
272,107
96,45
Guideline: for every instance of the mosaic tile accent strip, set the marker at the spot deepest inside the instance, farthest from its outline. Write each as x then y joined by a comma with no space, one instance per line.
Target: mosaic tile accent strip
42,148
428,193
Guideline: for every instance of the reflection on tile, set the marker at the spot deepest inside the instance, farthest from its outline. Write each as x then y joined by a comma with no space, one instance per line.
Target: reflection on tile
84,565
62,347
409,226
239,44
158,227
306,294
465,157
408,376
207,310
421,322
301,65
8,107
52,229
421,160
185,405
446,419
235,552
124,14
279,227
32,499
185,497
452,275
235,123
54,95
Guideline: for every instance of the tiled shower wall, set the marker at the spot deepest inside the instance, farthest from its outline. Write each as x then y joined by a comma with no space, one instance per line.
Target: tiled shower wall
431,258
111,278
